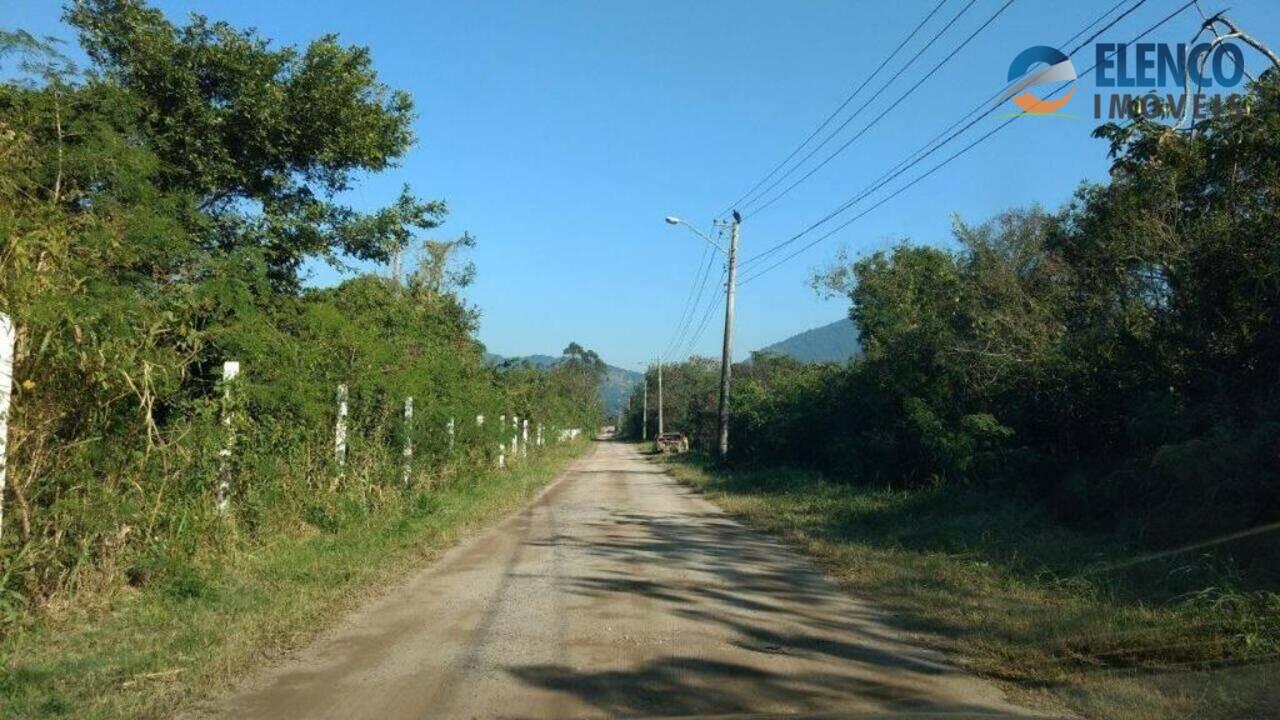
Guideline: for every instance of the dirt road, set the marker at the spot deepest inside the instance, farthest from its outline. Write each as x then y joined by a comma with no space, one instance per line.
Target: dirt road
619,593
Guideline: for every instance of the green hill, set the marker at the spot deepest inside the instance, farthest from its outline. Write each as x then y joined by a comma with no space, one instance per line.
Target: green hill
615,386
836,342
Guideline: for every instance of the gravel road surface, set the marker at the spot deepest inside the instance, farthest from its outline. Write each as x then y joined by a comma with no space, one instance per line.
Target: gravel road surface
618,593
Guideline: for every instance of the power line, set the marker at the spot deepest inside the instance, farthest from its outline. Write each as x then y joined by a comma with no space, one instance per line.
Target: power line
716,303
691,304
955,155
887,84
706,276
835,112
887,110
977,108
912,159
712,304
687,311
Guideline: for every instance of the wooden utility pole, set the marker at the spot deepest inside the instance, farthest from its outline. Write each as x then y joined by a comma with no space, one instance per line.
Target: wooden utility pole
661,428
726,354
644,411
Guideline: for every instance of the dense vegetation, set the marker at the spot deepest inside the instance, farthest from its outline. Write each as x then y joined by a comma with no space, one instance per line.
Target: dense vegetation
1059,454
156,214
1117,361
1067,619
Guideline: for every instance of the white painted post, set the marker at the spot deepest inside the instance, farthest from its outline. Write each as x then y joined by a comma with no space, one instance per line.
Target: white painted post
502,456
230,371
340,429
8,348
524,439
539,441
407,470
450,434
515,435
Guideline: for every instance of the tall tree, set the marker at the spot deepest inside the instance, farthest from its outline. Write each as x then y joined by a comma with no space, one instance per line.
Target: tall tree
263,137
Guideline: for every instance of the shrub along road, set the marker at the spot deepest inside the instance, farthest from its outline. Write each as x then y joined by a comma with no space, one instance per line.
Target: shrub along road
619,592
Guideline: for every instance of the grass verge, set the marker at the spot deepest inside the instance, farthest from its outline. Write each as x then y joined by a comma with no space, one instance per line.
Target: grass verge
1064,619
156,650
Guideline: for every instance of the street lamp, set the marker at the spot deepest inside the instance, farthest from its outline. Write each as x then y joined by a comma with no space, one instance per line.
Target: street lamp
673,220
726,353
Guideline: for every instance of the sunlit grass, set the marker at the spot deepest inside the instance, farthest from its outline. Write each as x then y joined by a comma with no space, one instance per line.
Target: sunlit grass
1020,598
157,649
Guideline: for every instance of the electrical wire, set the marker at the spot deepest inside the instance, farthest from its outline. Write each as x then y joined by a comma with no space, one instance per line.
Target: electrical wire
920,154
692,303
948,160
835,112
885,112
687,312
712,304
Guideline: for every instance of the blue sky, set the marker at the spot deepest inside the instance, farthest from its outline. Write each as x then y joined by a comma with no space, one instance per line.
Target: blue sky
561,133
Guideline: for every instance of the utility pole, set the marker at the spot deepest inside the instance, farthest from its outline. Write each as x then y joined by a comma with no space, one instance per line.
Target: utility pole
726,355
644,411
661,429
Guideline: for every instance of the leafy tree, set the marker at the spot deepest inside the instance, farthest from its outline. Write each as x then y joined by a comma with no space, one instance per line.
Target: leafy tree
1117,359
154,210
261,138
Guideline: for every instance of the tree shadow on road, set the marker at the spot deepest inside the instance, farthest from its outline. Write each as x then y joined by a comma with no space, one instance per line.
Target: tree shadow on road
759,597
686,686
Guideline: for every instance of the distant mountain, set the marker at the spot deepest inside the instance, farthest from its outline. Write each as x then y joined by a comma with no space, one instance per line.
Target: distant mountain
534,360
615,386
837,342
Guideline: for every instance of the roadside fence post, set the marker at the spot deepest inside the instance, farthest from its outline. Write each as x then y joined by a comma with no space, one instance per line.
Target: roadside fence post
230,371
8,348
340,428
407,470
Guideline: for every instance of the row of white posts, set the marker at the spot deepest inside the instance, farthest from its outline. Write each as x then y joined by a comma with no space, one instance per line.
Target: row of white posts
519,437
230,373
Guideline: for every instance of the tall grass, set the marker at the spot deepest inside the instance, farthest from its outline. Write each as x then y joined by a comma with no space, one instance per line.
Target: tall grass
192,624
1058,615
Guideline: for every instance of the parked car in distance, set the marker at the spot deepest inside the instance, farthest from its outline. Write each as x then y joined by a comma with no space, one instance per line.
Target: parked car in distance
672,442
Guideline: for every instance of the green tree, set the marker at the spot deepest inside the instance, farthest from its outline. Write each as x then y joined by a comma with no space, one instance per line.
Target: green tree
260,137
